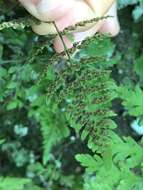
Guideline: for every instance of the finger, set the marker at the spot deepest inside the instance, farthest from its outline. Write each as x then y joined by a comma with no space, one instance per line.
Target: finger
111,25
80,12
51,10
100,7
59,46
44,28
30,6
77,36
48,10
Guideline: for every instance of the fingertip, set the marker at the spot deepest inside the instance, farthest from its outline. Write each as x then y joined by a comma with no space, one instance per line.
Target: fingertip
100,7
111,27
59,44
44,28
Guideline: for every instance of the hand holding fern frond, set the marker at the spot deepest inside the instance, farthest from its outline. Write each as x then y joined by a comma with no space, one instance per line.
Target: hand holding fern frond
68,13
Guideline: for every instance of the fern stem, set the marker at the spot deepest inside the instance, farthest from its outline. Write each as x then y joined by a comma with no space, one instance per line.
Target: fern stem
65,47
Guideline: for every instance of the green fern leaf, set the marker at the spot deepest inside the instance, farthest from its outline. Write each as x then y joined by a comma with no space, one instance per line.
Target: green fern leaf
11,183
132,100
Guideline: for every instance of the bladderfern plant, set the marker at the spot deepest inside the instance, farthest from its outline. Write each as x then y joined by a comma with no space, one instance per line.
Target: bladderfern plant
76,89
84,91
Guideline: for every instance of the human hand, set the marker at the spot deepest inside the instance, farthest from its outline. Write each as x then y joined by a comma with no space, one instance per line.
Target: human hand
69,12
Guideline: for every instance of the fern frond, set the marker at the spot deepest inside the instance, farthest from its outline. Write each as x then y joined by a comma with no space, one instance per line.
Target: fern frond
86,90
123,165
79,25
53,125
132,100
15,24
29,21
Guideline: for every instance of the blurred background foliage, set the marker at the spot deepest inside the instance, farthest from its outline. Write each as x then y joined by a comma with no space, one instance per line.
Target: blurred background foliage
37,144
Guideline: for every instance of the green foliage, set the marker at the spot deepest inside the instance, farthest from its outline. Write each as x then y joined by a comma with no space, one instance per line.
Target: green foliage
132,100
124,159
53,125
139,67
55,107
13,183
138,10
87,109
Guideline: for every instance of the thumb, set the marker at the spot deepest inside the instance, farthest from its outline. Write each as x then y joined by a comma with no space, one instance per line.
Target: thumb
48,10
